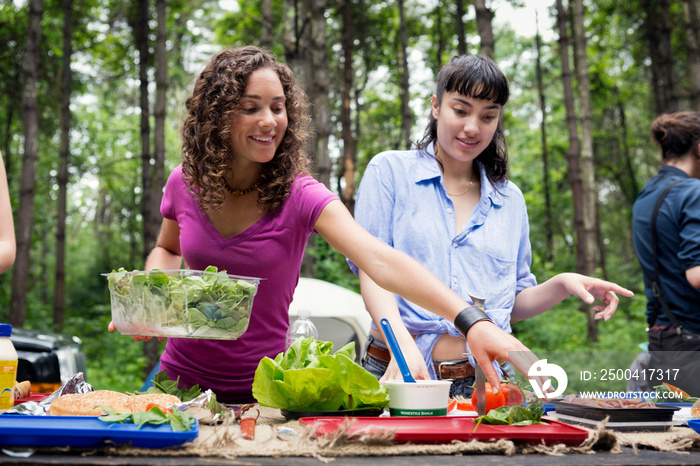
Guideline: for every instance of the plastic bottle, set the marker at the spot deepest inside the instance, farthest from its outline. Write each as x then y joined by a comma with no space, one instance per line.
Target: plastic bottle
302,327
8,367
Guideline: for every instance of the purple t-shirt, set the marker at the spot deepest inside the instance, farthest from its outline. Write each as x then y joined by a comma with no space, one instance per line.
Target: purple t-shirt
271,249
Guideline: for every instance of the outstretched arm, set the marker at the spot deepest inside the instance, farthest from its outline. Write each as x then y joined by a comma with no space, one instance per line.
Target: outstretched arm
538,299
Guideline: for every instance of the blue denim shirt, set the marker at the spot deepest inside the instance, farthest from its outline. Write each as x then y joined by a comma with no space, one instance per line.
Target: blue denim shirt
678,241
402,201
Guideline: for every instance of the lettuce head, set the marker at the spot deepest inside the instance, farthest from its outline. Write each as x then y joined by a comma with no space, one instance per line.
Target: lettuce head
307,377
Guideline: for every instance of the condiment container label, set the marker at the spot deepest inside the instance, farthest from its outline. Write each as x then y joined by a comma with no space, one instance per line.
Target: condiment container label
417,412
8,374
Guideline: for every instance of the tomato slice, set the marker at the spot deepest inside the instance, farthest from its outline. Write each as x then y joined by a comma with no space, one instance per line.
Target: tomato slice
451,404
150,406
512,394
464,406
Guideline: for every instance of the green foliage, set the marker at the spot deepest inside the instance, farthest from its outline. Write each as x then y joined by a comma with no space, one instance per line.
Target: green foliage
331,266
114,361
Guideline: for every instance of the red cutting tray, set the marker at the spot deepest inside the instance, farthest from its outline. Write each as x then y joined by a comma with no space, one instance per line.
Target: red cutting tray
444,429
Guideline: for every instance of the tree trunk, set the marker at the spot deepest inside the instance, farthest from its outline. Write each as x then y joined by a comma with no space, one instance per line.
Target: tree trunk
484,16
572,154
348,170
266,29
545,159
692,38
630,178
657,24
296,40
141,33
360,84
459,28
320,89
405,92
151,348
587,165
297,55
30,118
158,168
66,77
9,116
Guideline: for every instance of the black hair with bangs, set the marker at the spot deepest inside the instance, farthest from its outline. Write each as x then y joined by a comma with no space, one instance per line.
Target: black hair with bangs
478,77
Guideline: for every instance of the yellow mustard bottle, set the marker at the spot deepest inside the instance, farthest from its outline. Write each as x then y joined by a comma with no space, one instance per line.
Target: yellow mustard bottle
8,367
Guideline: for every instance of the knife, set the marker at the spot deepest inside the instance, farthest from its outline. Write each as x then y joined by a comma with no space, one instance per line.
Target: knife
480,383
480,390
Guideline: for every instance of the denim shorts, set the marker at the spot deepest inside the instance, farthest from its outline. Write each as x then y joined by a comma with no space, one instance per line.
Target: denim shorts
460,387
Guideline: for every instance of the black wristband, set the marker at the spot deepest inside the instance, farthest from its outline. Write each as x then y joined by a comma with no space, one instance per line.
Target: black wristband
468,317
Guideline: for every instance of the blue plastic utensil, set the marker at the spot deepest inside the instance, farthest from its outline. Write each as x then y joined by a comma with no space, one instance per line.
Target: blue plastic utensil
396,350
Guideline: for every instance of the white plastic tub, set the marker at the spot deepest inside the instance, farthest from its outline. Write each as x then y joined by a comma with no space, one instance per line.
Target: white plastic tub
422,398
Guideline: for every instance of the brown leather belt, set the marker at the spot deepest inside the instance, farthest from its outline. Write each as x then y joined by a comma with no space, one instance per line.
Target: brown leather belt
445,370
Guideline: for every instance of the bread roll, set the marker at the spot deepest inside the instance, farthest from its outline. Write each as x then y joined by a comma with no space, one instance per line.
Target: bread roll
88,404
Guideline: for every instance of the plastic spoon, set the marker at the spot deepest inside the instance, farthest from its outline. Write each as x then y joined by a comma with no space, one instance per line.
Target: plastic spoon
398,355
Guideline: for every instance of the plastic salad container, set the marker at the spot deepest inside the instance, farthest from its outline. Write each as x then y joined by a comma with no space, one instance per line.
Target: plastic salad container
181,303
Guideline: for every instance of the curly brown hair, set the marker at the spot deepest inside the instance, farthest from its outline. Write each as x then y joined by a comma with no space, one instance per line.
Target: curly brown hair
207,128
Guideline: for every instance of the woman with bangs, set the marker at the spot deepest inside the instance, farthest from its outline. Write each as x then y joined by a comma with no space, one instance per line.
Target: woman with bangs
449,204
243,200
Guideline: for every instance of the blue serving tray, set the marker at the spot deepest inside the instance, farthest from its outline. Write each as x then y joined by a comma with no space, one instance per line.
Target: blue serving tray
86,431
694,424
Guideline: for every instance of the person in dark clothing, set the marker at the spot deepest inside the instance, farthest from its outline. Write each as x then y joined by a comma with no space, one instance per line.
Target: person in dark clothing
666,233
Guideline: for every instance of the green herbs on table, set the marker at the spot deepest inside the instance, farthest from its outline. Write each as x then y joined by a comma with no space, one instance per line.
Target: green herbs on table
307,377
208,304
179,421
513,415
163,384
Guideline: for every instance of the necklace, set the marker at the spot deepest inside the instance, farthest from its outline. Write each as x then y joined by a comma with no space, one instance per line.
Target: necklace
240,192
471,182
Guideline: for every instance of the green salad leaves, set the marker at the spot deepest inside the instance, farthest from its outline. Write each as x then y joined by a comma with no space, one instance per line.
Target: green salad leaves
513,415
163,384
307,377
208,304
179,421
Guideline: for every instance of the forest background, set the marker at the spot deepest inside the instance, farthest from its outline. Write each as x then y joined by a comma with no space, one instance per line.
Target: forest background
91,100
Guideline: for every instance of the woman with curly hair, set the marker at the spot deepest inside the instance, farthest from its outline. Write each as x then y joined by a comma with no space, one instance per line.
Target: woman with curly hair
449,204
243,201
